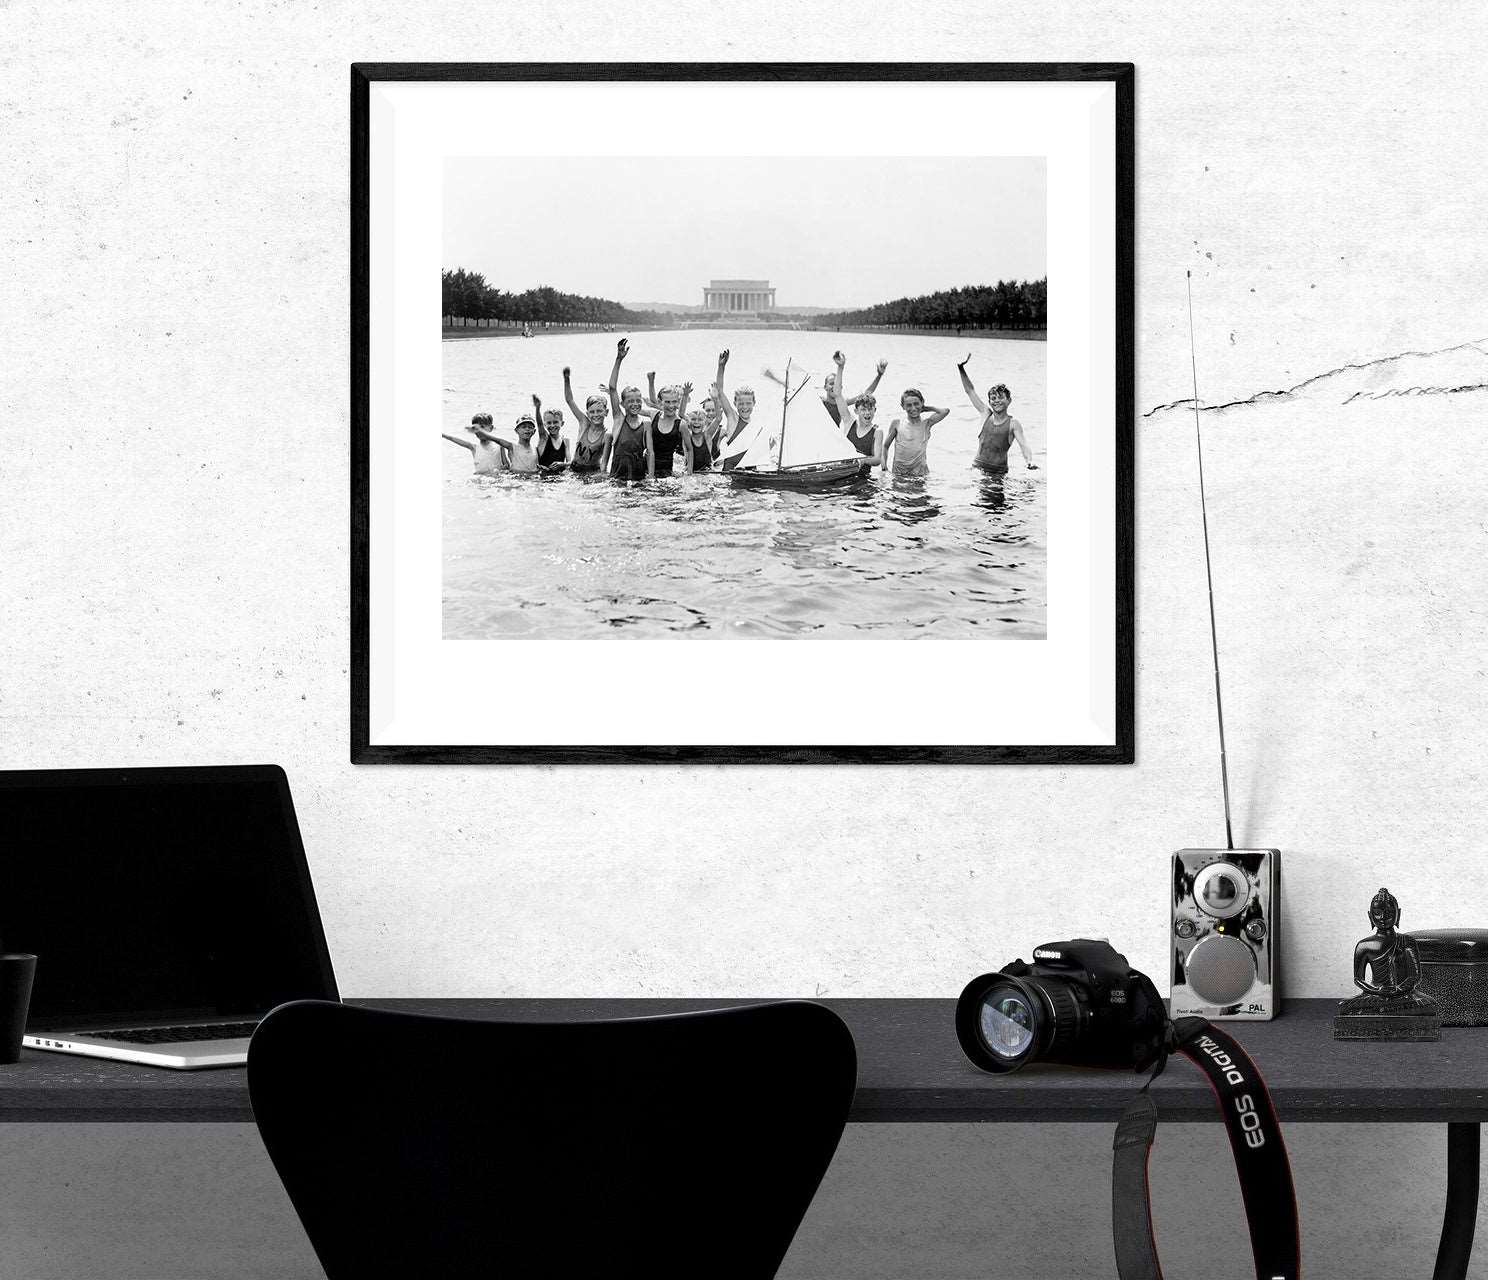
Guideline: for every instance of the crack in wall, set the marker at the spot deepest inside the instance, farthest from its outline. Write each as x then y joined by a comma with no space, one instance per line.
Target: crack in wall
1416,391
1261,397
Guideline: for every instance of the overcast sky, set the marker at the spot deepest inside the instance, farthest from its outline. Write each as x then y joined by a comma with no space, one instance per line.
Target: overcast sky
825,232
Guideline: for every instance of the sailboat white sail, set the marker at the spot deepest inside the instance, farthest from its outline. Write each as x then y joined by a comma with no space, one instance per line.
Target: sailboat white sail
801,443
733,452
809,437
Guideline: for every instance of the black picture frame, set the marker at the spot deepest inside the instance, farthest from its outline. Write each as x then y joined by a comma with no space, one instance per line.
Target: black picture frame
1122,76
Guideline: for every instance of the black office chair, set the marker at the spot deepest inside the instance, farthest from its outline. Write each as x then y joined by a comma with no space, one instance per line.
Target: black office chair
686,1145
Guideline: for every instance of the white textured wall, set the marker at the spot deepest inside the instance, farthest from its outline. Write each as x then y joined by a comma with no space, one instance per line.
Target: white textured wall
173,419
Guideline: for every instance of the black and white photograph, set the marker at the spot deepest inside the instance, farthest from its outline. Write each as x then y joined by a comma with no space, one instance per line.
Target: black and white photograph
817,365
812,409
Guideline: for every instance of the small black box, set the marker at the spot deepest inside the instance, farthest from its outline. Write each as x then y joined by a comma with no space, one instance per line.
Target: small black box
1454,969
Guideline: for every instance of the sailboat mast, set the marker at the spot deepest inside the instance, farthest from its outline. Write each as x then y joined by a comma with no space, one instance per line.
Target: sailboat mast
784,406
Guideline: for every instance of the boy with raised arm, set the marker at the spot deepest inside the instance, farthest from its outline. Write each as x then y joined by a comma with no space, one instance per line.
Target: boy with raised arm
630,451
911,436
714,417
830,399
520,457
486,451
857,427
728,421
552,448
995,440
736,438
667,429
592,448
655,398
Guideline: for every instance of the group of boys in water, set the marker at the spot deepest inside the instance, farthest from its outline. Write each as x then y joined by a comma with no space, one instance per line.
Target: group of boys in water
645,448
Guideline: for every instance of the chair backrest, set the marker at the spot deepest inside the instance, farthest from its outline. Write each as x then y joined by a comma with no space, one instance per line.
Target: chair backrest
687,1145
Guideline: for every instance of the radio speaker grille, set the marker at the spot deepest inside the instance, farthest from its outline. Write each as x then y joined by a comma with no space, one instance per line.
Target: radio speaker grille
1220,970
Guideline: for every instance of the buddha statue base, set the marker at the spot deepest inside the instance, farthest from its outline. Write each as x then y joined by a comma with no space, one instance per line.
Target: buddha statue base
1387,1026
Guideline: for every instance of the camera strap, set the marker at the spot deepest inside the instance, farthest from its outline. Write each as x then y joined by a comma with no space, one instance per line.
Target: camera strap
1255,1140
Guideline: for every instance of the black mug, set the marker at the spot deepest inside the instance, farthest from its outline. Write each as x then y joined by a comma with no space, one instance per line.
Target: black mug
16,975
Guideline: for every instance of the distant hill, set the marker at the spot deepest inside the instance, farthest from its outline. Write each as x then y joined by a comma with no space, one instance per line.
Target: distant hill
677,308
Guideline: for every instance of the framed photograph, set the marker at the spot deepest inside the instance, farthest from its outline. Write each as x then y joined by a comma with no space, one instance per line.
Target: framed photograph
776,413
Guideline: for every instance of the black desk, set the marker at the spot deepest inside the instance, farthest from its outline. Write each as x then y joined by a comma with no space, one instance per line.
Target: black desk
910,1070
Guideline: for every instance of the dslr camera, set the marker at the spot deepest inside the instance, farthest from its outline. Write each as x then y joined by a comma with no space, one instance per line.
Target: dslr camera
1079,1002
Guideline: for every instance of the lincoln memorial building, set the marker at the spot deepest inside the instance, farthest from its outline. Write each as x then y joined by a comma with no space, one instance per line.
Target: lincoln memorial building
739,295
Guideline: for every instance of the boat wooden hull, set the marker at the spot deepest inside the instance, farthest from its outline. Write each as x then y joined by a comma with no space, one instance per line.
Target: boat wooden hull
817,475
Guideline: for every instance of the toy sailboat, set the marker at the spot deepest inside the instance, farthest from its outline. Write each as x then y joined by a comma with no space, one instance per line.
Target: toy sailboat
806,452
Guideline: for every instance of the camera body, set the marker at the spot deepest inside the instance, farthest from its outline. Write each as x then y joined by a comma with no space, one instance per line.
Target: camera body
1079,1002
1225,933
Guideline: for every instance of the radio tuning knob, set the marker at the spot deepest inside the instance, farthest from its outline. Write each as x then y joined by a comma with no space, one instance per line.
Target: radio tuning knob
1255,930
1184,928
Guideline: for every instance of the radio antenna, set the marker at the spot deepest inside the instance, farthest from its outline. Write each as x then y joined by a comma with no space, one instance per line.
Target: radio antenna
1224,769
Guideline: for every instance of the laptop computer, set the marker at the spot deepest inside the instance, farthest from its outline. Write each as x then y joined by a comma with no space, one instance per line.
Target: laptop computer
169,909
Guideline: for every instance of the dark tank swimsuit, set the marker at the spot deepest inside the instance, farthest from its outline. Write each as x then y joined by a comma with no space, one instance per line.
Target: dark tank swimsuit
862,445
702,455
666,444
586,456
999,467
628,457
548,454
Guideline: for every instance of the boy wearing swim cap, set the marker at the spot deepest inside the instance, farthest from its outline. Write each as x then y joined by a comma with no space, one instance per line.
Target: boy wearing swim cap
522,457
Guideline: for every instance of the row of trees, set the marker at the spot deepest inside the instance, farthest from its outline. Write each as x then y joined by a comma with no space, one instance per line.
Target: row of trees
1008,304
468,296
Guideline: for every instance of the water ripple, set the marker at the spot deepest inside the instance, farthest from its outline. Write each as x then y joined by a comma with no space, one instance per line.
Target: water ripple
957,554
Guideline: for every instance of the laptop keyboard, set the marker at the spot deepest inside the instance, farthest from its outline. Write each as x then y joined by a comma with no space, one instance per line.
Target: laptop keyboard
174,1035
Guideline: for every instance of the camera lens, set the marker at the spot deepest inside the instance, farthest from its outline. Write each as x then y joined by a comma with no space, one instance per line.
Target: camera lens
1007,1024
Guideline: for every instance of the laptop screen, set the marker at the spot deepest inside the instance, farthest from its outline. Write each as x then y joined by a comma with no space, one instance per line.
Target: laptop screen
167,894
